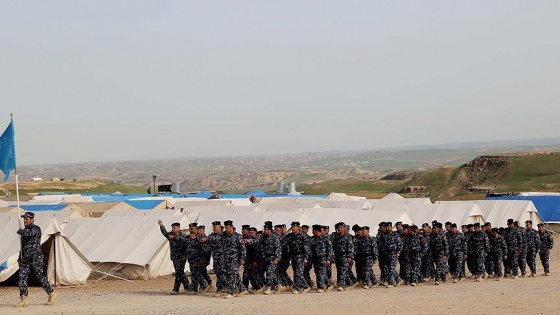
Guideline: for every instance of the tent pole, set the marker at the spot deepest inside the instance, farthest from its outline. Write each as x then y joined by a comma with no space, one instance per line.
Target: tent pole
54,246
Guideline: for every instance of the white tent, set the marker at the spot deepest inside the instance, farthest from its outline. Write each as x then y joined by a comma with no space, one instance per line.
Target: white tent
66,264
62,198
133,247
498,212
343,197
362,204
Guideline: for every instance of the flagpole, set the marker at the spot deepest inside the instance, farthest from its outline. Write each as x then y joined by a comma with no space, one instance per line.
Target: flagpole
17,182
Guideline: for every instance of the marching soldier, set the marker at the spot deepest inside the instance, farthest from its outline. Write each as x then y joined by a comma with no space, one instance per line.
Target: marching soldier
533,244
31,257
207,256
216,248
322,256
271,250
234,257
344,254
546,245
439,249
522,260
412,249
298,247
366,253
498,251
250,269
457,253
177,240
196,259
514,242
478,250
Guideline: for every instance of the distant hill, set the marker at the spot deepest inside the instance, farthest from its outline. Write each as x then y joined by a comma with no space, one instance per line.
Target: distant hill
243,173
490,173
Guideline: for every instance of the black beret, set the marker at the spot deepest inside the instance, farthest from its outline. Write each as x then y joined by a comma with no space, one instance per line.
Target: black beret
414,227
278,226
228,222
268,225
398,223
28,215
540,224
194,224
529,221
439,225
176,224
217,223
405,226
495,230
259,232
388,224
339,224
365,227
201,227
453,225
355,227
326,227
381,223
317,227
245,227
509,221
447,223
305,226
476,225
470,226
253,229
283,225
434,222
268,222
487,224
295,223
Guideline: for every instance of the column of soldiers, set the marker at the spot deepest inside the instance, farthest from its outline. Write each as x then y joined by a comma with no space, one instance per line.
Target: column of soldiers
431,253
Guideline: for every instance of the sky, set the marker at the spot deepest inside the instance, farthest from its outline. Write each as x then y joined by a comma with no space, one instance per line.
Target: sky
93,81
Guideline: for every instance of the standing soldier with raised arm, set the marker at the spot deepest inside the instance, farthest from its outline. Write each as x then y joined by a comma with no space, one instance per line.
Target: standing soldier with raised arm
178,254
31,257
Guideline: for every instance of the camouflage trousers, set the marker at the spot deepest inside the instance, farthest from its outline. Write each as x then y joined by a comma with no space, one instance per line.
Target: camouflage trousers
497,261
390,267
197,275
478,263
403,266
35,263
365,267
297,267
522,261
489,266
411,268
471,262
456,266
544,260
270,280
532,260
329,273
282,273
350,277
383,275
342,267
180,277
232,280
441,268
511,263
218,271
307,272
252,275
320,269
427,267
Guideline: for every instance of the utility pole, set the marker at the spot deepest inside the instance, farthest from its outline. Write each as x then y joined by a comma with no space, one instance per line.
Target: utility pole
154,178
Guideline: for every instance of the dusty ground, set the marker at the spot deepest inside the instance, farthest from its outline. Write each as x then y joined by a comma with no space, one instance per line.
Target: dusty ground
522,296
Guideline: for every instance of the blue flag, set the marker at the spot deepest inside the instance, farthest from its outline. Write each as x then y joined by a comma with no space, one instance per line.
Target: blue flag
7,151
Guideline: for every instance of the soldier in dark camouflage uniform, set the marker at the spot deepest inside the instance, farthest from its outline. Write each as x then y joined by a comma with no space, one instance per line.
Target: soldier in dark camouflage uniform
271,251
31,257
513,241
488,263
522,260
251,273
234,257
498,251
325,232
392,248
322,255
177,240
478,247
457,253
196,259
308,265
546,245
412,249
427,267
344,254
207,255
533,244
282,268
380,237
298,246
402,232
439,249
366,254
215,247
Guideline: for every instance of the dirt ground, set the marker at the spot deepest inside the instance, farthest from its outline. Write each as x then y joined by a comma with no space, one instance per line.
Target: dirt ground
537,295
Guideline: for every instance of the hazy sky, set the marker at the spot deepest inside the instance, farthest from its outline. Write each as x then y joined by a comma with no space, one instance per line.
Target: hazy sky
127,80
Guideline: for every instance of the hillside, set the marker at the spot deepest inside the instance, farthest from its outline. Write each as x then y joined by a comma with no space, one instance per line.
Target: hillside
472,180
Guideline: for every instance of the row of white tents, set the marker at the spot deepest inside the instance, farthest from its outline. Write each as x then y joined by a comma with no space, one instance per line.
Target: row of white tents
128,242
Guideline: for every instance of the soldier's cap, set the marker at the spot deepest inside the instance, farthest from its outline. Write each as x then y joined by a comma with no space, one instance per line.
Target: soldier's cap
365,227
414,227
388,224
176,224
509,221
495,230
305,226
453,225
277,226
339,224
28,215
228,222
253,229
470,226
295,223
434,222
529,221
317,227
268,222
217,223
398,223
259,232
245,227
355,227
487,224
268,225
439,225
326,227
405,226
540,224
476,225
447,223
464,226
194,224
381,224
425,224
283,226
201,227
